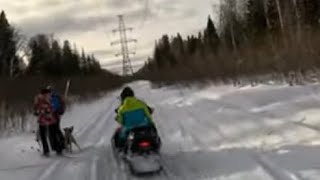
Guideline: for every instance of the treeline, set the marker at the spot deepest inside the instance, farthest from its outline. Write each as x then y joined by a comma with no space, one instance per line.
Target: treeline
49,58
28,64
41,55
252,37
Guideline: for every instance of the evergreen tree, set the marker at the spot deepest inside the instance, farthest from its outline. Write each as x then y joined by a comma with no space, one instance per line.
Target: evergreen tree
167,52
273,15
95,65
211,38
55,66
69,61
89,64
256,22
201,44
192,44
8,59
180,44
163,54
158,57
177,47
310,12
40,55
76,60
83,62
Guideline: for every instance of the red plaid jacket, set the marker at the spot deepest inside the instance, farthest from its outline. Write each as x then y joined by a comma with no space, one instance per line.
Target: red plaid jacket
43,110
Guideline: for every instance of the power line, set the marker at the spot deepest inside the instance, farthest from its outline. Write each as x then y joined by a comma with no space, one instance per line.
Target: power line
124,41
144,16
103,22
145,13
140,25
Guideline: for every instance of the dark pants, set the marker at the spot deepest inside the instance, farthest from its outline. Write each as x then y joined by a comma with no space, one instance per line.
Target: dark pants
119,143
60,135
49,132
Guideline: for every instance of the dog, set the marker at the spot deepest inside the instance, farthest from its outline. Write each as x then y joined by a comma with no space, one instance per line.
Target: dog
69,139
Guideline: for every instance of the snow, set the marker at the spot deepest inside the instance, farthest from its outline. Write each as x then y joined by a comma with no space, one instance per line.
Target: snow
145,164
267,132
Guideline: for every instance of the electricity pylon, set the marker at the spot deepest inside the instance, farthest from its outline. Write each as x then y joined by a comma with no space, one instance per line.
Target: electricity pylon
124,41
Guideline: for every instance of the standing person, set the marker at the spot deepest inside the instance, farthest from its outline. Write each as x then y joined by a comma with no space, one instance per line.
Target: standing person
46,120
58,106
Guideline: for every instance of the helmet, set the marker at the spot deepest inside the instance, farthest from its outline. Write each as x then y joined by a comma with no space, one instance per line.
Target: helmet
126,92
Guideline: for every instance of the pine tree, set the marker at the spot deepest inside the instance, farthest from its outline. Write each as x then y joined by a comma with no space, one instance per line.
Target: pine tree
180,43
8,57
69,60
56,59
89,64
192,44
273,15
40,55
83,62
201,45
177,45
211,37
167,53
76,60
95,65
165,42
310,12
256,22
163,54
158,57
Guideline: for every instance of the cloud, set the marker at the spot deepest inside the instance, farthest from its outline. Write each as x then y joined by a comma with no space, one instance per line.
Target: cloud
58,17
88,23
103,52
116,66
62,23
50,3
124,3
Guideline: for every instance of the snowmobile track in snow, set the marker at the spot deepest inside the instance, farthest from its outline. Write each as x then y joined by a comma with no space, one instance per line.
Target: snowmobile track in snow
274,170
221,133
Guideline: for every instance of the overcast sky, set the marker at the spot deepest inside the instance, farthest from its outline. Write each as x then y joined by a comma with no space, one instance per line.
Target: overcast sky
88,23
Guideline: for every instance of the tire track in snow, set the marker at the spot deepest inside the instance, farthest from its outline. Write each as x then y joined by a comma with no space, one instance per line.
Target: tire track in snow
273,170
98,132
104,112
92,132
87,125
166,171
116,164
50,170
26,167
94,170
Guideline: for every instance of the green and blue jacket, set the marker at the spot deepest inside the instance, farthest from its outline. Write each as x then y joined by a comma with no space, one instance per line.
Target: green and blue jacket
133,113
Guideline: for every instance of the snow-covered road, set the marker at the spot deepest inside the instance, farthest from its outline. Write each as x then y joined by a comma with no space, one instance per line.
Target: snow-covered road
220,133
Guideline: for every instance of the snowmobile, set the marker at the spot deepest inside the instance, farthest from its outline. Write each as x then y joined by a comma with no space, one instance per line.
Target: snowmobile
141,151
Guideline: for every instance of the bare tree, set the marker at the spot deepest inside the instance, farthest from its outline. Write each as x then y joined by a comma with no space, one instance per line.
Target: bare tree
280,15
298,17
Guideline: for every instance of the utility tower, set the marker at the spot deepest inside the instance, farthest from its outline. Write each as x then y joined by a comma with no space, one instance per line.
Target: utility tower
124,41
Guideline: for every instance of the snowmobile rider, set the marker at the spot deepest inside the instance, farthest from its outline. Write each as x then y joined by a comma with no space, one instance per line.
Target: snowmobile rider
46,119
131,114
